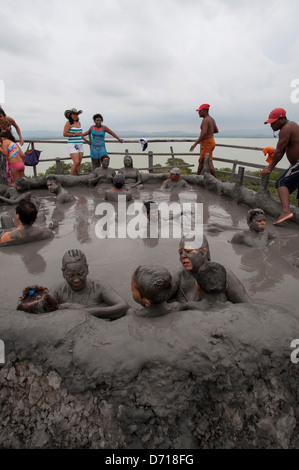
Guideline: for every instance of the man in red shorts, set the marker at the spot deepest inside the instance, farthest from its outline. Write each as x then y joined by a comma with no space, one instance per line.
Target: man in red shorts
206,139
288,143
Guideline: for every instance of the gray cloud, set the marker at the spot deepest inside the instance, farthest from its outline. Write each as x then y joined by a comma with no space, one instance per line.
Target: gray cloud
148,65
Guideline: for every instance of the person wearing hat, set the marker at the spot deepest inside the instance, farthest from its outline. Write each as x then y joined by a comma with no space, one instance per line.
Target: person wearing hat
175,180
207,130
288,143
73,131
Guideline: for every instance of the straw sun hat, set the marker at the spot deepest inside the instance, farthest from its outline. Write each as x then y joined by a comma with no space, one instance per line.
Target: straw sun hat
68,112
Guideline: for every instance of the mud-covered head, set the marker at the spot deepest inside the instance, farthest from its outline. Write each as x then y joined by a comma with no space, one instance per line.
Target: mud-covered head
151,285
193,257
128,161
36,299
211,278
256,220
22,184
75,269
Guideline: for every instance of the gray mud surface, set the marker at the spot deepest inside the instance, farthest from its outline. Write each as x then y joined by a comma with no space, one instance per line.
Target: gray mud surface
221,378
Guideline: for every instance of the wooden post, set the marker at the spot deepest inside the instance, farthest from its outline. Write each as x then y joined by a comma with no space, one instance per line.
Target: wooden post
150,162
58,166
172,156
240,177
3,178
264,182
233,172
34,171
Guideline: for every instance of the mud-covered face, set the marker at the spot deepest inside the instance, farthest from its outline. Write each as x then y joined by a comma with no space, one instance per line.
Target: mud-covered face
105,162
52,186
98,122
136,294
258,223
75,275
127,162
190,258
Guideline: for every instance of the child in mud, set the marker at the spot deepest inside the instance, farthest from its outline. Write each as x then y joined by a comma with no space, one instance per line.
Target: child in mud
151,287
257,236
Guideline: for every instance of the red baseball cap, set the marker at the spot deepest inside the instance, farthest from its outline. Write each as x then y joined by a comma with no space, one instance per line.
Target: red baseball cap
275,114
203,106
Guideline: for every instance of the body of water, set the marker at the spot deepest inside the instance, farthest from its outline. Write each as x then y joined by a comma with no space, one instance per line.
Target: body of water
180,148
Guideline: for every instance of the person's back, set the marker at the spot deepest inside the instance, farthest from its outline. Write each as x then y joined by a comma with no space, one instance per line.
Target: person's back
26,231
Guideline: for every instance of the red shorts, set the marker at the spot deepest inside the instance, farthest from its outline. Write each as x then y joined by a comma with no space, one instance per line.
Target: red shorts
207,146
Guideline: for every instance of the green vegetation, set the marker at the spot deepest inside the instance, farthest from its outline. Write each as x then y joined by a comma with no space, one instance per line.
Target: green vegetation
172,164
86,167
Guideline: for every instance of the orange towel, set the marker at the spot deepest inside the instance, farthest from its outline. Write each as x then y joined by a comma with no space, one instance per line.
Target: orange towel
270,152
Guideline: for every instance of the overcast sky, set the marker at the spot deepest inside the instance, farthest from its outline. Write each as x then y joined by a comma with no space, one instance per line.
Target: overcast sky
147,65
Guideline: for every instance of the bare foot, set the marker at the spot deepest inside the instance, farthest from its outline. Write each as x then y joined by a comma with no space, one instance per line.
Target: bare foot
283,216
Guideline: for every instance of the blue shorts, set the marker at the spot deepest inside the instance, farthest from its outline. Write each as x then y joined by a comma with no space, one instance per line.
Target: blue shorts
290,178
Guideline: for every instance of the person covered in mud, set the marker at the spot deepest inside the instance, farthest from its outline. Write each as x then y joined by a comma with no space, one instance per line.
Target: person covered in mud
175,181
257,235
79,292
102,174
131,174
184,287
16,193
151,286
62,195
211,282
288,143
26,230
118,189
36,299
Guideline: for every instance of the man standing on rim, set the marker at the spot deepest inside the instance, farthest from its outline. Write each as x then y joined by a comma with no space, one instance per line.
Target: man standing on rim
206,139
288,143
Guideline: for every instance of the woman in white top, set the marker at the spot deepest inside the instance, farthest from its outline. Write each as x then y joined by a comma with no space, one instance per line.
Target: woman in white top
73,131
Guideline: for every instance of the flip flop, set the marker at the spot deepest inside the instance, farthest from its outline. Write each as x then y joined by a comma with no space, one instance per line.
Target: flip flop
289,216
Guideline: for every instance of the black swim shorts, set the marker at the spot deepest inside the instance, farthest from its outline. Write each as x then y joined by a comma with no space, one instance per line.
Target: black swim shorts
290,178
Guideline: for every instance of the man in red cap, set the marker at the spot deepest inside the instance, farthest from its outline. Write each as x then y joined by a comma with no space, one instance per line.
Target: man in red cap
288,143
206,139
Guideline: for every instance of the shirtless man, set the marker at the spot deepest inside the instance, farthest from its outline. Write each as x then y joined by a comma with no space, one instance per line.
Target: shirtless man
118,190
184,287
257,236
288,143
94,297
54,186
208,129
26,231
175,181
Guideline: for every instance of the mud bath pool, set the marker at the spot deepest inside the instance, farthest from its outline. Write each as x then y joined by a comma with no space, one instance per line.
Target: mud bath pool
181,381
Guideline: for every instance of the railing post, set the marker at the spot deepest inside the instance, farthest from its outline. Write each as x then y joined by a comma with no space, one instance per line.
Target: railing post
58,166
240,176
34,171
264,182
126,152
172,156
233,172
150,161
3,178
